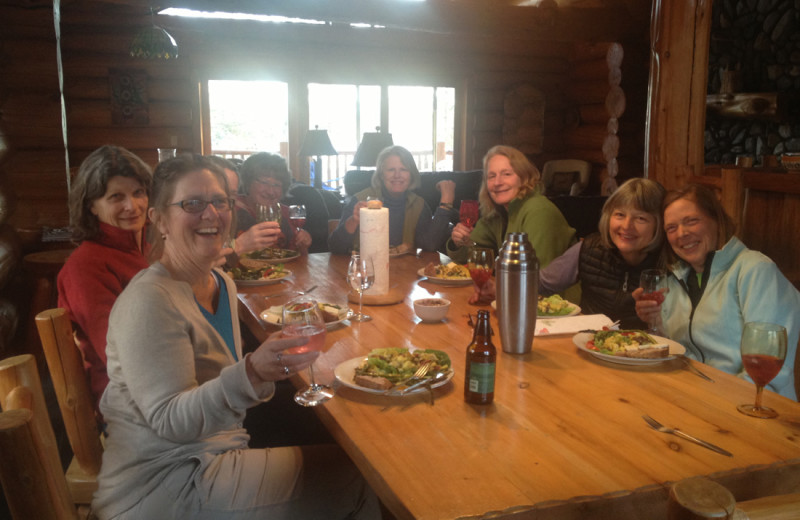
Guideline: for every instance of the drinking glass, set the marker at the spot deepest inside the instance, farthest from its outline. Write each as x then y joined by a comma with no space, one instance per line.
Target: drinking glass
302,318
297,217
480,263
763,352
269,212
654,284
360,276
468,213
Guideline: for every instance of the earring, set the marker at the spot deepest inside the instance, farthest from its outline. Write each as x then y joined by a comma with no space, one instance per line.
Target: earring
163,236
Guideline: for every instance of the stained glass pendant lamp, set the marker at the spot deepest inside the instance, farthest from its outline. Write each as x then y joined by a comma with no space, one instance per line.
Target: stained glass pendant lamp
154,42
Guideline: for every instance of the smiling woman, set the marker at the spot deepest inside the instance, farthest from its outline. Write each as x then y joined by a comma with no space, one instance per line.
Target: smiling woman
108,208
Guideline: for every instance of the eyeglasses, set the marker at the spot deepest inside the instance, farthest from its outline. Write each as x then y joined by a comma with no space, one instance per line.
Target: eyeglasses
273,185
198,205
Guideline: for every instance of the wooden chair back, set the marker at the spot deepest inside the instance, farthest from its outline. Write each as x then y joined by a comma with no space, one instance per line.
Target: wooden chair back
31,474
697,498
75,401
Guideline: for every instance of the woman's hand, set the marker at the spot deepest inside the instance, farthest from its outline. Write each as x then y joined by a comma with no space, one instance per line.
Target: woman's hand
353,221
460,235
649,311
259,236
269,362
302,239
448,190
486,294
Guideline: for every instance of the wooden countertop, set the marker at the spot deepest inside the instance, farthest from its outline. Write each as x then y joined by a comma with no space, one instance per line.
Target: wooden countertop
564,437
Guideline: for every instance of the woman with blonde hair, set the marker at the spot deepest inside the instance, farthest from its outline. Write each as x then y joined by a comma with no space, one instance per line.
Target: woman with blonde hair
510,202
608,263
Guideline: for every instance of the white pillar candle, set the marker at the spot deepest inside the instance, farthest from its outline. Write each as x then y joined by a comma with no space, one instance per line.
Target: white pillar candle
374,244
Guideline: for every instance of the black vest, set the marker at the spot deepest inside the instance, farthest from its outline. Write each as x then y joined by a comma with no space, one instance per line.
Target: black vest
607,282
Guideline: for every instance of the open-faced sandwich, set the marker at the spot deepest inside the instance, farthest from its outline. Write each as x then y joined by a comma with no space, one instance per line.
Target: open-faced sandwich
385,367
330,313
271,272
554,305
451,271
627,343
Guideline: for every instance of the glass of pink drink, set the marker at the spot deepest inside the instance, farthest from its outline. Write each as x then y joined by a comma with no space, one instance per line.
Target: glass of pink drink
763,352
654,284
302,318
480,263
297,217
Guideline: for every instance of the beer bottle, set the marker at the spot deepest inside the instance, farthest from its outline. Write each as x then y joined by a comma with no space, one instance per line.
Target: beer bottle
481,356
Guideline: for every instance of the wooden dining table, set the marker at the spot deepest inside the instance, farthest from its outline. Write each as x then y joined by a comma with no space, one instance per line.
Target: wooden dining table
564,437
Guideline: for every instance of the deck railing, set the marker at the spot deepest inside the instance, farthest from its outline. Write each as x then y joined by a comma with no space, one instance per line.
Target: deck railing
334,167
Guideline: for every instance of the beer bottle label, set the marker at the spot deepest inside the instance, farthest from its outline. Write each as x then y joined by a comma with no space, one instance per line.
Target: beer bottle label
481,378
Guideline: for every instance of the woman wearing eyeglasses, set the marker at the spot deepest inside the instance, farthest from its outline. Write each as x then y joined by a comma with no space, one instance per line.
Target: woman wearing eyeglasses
179,384
265,178
108,209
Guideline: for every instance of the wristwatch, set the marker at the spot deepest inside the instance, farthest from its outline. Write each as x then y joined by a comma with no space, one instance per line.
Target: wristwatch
446,205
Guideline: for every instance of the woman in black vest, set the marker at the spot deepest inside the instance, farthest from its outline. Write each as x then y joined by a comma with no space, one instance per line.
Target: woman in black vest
608,263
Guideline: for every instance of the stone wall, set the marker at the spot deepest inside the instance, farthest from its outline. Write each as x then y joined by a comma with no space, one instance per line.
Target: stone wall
761,40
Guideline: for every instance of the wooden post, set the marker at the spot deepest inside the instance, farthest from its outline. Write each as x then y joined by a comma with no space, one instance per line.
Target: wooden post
733,195
700,498
20,372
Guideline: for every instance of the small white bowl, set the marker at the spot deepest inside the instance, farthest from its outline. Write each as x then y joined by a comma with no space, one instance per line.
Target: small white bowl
431,310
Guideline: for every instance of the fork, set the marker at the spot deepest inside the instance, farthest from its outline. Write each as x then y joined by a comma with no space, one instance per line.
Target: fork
674,431
416,377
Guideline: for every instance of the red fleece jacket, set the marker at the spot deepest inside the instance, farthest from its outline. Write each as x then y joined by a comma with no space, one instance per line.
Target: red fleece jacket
88,285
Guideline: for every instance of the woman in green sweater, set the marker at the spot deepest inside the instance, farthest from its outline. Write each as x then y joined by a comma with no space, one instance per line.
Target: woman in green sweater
511,202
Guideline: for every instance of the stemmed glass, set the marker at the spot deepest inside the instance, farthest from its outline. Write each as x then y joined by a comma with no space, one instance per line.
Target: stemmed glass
654,284
297,217
360,276
468,214
269,212
480,263
302,318
763,352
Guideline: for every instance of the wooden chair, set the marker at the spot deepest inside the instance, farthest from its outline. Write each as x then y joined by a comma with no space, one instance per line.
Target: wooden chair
75,401
699,497
31,474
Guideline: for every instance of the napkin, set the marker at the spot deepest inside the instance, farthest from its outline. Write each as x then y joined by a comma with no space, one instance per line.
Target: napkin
571,324
374,243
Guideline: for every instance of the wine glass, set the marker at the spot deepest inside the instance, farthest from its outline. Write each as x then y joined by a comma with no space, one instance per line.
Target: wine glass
654,284
297,217
302,318
763,352
360,276
468,213
269,212
480,263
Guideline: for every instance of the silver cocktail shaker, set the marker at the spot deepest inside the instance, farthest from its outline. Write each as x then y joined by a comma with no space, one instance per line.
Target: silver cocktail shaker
517,271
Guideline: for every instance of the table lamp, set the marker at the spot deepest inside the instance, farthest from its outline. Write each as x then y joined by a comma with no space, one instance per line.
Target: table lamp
317,143
371,145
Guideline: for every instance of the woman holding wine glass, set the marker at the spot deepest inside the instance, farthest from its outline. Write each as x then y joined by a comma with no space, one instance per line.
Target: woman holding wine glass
510,201
411,222
180,384
716,285
610,264
264,221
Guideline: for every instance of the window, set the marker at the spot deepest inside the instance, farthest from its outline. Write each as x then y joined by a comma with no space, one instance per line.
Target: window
248,117
420,119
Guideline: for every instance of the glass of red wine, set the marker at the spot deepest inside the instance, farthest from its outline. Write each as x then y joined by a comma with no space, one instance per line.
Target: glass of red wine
480,263
303,318
654,284
763,352
468,213
297,217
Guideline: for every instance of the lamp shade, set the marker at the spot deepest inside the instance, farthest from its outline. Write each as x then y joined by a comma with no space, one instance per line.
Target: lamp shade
317,142
153,42
371,145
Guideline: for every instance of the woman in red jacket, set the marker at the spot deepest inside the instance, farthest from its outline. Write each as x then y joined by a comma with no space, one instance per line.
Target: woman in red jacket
107,208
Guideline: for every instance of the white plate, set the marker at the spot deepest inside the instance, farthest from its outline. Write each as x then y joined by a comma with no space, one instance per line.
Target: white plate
444,281
575,311
675,349
263,281
274,318
270,261
346,370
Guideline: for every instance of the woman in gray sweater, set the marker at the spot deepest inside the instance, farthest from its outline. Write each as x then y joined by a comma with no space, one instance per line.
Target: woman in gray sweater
179,384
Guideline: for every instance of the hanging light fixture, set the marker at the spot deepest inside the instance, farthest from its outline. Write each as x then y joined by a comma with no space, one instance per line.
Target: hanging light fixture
154,42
